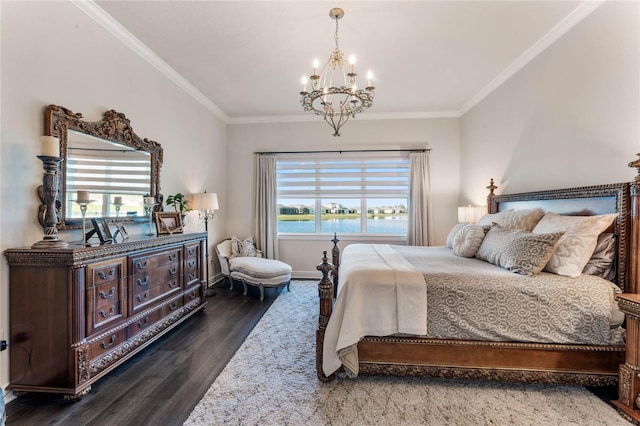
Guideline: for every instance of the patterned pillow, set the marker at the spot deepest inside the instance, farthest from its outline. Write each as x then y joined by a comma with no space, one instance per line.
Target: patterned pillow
240,248
602,262
456,228
578,242
517,251
524,220
467,242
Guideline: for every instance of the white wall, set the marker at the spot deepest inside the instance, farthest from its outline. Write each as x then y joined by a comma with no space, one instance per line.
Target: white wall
53,53
441,135
569,118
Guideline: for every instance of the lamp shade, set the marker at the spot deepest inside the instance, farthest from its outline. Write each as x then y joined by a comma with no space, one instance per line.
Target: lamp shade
205,201
471,214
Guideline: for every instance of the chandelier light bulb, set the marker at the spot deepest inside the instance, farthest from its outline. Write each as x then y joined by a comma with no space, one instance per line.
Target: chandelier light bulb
304,83
369,77
316,64
352,62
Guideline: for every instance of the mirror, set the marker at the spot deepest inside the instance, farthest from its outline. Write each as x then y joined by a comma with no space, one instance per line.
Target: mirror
106,162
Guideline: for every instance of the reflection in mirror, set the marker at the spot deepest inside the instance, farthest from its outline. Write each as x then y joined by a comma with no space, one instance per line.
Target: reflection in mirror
115,178
103,161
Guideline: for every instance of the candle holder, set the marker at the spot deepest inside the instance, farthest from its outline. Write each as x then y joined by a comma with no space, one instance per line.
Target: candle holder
83,209
150,206
50,191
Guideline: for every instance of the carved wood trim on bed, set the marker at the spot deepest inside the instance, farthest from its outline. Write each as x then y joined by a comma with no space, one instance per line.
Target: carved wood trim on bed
511,361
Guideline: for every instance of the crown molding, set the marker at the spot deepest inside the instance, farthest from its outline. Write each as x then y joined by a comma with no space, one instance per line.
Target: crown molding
365,116
561,28
121,33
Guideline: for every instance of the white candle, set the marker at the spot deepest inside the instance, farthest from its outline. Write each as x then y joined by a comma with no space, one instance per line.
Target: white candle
149,201
117,200
352,62
83,196
316,63
49,146
304,83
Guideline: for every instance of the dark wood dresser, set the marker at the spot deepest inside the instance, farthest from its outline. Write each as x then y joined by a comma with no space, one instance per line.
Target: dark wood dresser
79,312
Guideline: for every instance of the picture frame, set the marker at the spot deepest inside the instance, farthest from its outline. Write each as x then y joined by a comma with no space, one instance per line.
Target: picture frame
106,230
121,230
168,223
99,231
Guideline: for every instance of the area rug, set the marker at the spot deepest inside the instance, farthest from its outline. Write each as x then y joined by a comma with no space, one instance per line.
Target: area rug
271,380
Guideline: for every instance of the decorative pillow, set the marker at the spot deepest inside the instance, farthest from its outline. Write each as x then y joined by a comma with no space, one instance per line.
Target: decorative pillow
578,242
602,262
456,228
467,241
240,248
524,220
517,251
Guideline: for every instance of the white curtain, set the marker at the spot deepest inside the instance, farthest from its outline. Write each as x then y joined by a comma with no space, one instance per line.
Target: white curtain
419,208
264,205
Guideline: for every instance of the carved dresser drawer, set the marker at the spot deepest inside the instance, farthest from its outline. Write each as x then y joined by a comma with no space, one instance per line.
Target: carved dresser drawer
99,306
105,293
106,343
156,276
192,264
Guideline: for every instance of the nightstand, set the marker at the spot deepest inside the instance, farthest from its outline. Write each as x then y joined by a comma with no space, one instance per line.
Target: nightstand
628,401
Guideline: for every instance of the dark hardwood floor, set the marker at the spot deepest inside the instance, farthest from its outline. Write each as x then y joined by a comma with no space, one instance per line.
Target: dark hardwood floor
162,384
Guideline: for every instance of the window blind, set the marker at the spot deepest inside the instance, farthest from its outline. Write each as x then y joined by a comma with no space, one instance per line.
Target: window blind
108,171
349,177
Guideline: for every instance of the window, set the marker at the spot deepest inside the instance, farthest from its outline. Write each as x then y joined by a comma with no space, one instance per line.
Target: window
348,193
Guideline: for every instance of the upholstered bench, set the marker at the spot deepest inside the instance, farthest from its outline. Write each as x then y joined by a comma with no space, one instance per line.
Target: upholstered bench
260,272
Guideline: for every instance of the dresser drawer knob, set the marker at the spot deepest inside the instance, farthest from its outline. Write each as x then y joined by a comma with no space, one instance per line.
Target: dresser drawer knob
108,296
173,256
192,275
191,250
173,283
192,263
173,306
142,264
140,281
104,314
173,270
142,297
108,345
144,323
104,276
192,295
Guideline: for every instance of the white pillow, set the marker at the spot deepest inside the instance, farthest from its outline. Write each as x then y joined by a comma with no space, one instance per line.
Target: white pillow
240,248
456,228
524,220
467,242
575,247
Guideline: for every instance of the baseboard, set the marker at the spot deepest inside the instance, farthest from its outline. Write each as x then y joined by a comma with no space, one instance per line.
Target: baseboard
306,275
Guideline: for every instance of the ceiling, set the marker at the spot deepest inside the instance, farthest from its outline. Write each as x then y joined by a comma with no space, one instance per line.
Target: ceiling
245,59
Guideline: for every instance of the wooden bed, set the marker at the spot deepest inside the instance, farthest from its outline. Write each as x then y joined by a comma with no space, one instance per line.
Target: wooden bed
590,365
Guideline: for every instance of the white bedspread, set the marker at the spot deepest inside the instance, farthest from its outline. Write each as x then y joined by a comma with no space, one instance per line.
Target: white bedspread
373,273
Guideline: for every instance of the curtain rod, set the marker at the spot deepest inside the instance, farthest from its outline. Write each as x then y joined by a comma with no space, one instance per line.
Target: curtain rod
345,150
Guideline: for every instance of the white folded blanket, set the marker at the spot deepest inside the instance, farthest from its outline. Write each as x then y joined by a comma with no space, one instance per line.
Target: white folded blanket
368,274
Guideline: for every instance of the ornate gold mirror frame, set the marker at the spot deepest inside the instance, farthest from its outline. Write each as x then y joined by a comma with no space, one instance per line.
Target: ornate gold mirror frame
115,127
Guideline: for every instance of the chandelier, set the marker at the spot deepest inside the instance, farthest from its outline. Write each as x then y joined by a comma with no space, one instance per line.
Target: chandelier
334,94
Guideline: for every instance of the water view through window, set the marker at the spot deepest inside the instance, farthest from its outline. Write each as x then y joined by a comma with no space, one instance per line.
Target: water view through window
343,216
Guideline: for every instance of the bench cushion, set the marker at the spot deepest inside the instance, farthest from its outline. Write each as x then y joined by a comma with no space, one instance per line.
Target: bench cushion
259,268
